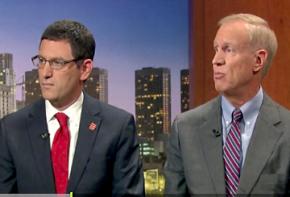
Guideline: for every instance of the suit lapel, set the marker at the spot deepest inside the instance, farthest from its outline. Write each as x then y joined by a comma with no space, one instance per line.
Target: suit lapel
37,127
89,125
211,140
266,134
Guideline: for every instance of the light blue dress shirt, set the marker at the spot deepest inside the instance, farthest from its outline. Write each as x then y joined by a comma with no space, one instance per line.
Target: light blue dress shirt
250,112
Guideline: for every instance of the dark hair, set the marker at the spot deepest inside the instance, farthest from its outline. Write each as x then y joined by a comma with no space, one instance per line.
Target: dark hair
80,38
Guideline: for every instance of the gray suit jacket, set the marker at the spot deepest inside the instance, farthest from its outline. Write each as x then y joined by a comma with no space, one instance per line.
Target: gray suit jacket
195,158
106,159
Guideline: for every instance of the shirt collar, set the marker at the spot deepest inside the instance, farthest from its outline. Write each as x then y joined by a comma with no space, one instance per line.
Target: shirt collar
70,111
249,109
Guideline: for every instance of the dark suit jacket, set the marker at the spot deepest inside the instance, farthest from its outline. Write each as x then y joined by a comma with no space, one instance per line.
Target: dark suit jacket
195,156
106,160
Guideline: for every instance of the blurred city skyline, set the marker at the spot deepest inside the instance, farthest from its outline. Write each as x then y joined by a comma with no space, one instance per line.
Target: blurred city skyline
130,35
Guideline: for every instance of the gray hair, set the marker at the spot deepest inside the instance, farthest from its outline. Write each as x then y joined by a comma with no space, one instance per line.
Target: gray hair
260,33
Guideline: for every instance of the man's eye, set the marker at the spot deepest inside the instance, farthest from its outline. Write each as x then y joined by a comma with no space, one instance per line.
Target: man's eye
58,62
229,50
41,61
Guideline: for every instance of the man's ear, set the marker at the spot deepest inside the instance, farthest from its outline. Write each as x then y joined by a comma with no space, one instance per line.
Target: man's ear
260,60
86,69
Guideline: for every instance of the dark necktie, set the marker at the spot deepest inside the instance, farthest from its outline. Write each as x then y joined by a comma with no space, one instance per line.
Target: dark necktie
60,154
232,154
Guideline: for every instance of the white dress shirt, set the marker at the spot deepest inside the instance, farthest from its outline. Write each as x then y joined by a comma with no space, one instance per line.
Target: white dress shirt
74,115
250,112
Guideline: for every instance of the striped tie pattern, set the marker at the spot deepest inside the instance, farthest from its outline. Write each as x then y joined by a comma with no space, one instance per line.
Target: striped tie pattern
232,154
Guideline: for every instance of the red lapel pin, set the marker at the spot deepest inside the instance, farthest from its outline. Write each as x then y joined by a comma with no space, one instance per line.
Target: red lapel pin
92,126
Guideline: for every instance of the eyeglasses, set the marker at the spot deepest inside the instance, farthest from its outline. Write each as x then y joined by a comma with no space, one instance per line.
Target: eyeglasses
55,64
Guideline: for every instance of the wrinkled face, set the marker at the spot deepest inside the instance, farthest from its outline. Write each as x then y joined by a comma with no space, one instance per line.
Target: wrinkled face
234,61
61,87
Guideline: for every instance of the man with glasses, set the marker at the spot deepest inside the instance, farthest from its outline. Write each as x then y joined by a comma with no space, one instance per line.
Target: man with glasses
68,141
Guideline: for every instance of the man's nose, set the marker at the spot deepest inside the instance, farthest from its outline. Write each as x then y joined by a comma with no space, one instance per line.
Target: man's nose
47,70
218,59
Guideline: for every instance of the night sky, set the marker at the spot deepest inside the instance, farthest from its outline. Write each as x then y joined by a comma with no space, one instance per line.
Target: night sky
129,34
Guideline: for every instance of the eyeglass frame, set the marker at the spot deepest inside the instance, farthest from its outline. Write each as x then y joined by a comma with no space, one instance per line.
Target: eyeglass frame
61,62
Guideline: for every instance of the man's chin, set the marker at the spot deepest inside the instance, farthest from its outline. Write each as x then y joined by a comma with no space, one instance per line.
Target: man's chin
48,97
219,89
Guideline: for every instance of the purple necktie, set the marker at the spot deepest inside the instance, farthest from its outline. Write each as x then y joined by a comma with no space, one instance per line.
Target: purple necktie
232,154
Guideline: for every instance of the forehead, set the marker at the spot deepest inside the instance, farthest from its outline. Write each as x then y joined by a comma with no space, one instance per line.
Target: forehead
233,33
55,48
53,43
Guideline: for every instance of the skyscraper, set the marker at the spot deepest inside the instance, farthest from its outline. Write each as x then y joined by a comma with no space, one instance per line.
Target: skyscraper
97,84
153,108
184,90
7,85
32,88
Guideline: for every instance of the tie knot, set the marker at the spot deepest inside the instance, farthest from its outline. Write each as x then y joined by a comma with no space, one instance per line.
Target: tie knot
237,115
61,118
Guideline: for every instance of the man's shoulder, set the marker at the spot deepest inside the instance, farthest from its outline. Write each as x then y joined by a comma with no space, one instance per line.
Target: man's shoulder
104,108
200,112
271,104
19,118
25,111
